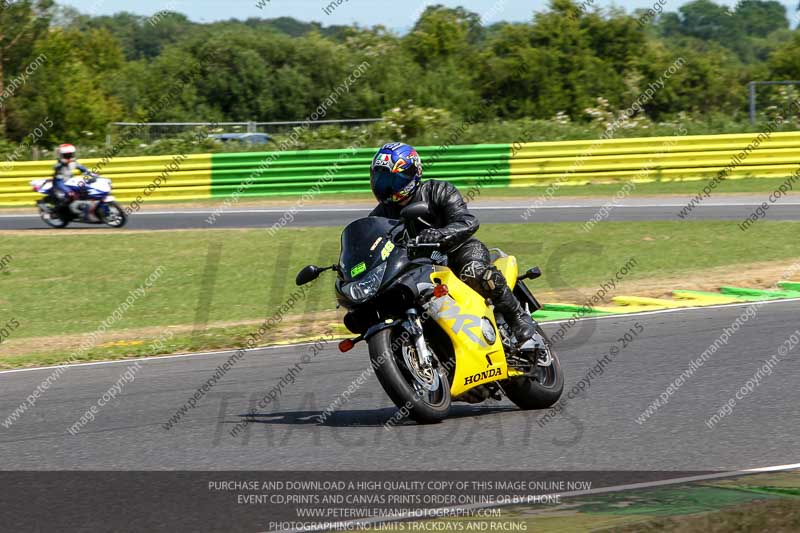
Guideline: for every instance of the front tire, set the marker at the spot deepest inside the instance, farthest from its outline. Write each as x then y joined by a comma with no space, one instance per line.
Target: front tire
112,215
423,406
541,391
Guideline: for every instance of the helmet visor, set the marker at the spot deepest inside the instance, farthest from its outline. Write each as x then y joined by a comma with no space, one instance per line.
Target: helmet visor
389,186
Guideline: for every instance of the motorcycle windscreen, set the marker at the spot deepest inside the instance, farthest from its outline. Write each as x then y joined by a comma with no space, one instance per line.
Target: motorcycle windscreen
365,245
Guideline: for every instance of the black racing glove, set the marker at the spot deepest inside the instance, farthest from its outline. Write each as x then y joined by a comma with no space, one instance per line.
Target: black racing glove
430,236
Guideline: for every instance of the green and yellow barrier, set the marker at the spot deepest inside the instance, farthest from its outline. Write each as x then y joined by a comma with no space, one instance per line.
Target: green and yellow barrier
680,299
294,173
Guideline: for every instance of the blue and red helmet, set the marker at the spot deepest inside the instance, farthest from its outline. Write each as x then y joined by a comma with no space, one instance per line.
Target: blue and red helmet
395,173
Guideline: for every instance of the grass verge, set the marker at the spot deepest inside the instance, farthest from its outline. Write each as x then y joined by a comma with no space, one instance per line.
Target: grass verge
747,504
215,288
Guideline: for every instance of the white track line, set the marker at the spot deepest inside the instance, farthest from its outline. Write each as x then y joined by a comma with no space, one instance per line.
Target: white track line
152,358
274,346
444,511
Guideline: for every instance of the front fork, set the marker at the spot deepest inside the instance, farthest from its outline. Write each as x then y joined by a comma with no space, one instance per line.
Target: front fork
423,369
415,329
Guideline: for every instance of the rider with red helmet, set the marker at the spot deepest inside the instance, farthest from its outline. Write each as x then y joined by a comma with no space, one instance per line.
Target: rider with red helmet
63,170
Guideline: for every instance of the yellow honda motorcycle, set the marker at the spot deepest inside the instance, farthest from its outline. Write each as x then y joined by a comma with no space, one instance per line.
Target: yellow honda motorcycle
432,339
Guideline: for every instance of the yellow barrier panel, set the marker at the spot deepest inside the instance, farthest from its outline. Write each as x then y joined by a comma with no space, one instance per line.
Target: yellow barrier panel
691,160
644,176
654,144
643,301
656,158
182,177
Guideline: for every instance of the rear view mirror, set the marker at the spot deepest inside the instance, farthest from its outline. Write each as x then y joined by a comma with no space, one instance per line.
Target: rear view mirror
308,274
415,210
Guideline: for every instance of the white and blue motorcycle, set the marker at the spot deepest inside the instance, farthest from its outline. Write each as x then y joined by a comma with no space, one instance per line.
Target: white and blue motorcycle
93,203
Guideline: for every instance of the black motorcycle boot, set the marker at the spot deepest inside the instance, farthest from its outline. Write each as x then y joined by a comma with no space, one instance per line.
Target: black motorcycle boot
521,323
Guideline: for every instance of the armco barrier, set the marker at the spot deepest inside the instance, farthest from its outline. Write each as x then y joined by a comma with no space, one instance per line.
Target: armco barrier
492,165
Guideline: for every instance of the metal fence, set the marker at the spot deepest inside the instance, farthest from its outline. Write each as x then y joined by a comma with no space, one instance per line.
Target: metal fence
751,93
157,130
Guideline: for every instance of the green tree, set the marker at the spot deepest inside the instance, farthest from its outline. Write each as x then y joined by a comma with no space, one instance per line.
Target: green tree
68,88
784,62
21,24
158,31
759,18
442,33
564,61
123,26
707,21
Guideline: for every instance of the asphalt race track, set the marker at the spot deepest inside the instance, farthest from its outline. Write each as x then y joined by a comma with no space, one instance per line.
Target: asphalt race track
490,212
597,431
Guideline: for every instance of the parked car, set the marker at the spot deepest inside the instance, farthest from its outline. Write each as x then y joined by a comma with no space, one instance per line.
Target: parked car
251,138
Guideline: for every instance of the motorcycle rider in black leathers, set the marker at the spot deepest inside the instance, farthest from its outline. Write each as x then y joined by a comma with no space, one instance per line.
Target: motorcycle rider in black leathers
395,176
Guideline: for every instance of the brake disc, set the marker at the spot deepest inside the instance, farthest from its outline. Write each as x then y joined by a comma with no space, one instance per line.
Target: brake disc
427,378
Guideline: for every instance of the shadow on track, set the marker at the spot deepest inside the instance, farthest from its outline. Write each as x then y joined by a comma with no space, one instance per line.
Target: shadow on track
363,417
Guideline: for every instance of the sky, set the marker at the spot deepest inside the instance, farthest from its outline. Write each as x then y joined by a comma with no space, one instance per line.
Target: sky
397,14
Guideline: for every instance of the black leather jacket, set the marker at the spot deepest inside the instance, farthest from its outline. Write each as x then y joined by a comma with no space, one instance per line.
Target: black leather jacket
448,212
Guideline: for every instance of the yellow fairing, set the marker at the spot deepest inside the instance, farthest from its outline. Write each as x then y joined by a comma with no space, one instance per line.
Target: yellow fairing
461,315
508,267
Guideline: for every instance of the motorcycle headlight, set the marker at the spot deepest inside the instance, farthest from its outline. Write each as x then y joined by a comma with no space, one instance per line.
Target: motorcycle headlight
360,290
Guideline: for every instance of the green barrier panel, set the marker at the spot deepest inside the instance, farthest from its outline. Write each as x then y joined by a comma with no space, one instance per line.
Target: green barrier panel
294,173
573,309
760,294
789,285
546,316
709,294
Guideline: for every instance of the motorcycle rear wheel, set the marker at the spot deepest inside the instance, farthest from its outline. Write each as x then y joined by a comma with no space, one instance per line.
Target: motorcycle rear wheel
51,216
541,391
423,406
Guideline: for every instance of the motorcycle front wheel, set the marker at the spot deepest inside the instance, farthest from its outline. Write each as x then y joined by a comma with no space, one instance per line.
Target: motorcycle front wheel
425,398
112,215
